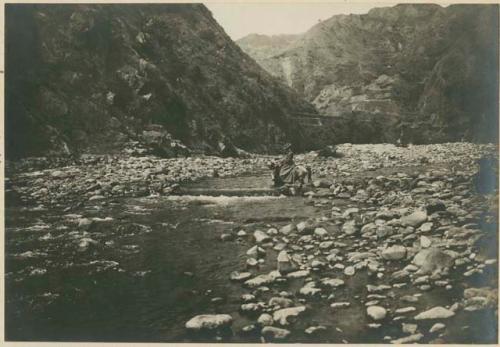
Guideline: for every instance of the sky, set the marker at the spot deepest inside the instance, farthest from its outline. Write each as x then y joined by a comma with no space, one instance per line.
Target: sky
239,20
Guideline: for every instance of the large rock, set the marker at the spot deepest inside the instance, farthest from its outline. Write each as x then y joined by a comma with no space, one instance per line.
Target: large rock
280,301
285,263
263,279
286,315
332,282
408,339
437,312
480,298
260,236
273,333
432,259
394,253
209,322
415,219
239,276
350,227
376,312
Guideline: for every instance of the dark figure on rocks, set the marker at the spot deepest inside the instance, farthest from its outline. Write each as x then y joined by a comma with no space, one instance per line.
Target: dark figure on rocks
286,166
286,173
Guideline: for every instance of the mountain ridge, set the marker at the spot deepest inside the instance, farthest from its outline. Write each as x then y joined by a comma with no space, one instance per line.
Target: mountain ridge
407,66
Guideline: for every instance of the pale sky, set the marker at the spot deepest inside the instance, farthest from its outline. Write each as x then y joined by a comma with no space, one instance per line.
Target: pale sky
241,19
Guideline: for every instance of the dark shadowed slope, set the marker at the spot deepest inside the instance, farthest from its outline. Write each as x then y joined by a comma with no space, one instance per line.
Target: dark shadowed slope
93,77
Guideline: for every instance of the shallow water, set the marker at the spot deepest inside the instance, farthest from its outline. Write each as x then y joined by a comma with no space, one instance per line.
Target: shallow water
160,261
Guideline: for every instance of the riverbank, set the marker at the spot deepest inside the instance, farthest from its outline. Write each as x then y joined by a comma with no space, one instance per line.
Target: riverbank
390,245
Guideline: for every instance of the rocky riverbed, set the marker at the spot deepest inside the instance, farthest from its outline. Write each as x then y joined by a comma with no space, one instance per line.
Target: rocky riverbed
388,245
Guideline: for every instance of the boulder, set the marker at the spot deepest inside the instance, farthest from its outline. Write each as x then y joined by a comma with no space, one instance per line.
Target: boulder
209,322
415,219
279,301
260,236
285,315
437,327
287,229
376,312
298,274
395,252
350,227
309,289
285,263
239,276
480,298
332,282
408,339
432,259
262,279
265,319
437,312
256,252
321,232
273,333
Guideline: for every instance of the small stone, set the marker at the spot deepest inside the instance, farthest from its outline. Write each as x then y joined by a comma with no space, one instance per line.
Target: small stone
376,312
285,264
321,232
315,330
252,307
227,237
272,231
332,282
298,274
280,301
256,252
437,312
426,227
425,242
405,310
261,237
350,227
408,339
395,252
252,262
415,219
409,328
349,271
209,321
265,319
437,327
336,305
284,315
239,276
263,279
287,229
247,297
309,289
273,333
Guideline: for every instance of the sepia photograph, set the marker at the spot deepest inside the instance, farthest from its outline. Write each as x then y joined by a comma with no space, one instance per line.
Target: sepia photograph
251,172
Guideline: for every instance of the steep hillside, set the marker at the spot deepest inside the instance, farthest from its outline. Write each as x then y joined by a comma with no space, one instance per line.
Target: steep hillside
428,70
93,78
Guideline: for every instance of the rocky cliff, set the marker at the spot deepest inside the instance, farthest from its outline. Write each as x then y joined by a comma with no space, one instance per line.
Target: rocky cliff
425,72
96,78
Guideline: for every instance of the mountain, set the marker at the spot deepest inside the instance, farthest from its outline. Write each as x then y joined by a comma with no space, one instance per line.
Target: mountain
261,47
423,72
95,78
